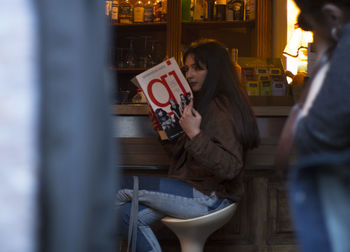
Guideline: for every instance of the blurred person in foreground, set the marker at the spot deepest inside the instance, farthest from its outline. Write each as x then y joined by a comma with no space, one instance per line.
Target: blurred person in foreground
319,126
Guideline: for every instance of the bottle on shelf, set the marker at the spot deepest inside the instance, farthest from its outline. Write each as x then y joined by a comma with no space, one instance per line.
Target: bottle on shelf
198,13
192,9
220,10
229,10
152,57
139,97
115,12
157,8
210,9
236,66
131,57
235,10
238,13
139,11
205,10
143,57
186,11
108,7
250,7
164,10
125,12
148,12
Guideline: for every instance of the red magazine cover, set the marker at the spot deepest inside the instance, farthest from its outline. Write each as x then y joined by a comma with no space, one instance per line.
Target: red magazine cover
167,92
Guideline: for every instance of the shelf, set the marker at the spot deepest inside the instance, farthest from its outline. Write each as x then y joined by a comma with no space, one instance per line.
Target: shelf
219,24
128,70
138,26
142,24
143,109
131,109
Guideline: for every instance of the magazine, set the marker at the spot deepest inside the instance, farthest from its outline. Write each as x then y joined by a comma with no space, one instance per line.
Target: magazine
167,92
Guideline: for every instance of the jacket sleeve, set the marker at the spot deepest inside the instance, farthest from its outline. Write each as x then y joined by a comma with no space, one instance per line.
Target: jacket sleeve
217,149
174,147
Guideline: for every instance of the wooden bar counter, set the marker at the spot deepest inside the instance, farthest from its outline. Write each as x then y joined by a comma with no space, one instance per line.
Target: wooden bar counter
262,221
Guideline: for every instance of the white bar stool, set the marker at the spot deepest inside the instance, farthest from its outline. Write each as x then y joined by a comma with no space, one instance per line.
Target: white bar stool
194,232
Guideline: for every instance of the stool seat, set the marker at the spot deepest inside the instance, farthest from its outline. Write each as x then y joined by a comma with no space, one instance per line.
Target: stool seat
193,233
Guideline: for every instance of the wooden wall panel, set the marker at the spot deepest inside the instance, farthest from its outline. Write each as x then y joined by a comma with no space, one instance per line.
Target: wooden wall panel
142,152
280,228
237,231
173,34
264,28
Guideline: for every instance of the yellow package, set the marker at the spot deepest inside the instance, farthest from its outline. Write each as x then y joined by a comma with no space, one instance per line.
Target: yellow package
265,88
252,88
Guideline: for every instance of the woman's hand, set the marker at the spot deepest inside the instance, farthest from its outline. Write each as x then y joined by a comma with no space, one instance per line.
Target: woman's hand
154,120
190,121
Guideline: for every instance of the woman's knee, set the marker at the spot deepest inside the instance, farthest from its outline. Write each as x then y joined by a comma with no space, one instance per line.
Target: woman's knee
124,196
148,216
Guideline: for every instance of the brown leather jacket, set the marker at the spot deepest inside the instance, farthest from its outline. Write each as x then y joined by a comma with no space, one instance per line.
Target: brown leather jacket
212,160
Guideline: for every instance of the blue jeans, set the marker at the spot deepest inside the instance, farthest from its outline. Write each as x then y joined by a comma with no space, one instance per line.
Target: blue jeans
159,197
335,198
319,189
308,216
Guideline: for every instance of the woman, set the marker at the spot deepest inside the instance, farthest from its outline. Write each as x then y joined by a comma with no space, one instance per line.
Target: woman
207,160
319,191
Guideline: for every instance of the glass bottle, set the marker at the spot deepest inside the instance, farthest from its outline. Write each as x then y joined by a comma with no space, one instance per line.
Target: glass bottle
125,12
236,66
131,55
115,12
229,10
220,9
157,8
108,7
192,9
185,11
210,9
148,12
139,12
164,10
250,7
198,10
237,7
152,57
139,97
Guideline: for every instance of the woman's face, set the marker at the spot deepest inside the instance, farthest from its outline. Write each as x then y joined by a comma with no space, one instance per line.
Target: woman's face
194,75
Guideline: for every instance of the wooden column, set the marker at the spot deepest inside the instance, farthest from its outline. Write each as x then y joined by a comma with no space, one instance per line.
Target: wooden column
173,33
263,28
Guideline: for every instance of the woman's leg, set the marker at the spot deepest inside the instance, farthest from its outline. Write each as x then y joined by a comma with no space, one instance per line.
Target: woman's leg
163,196
146,240
171,197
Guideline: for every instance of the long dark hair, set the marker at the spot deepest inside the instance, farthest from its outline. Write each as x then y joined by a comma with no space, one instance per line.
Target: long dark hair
222,83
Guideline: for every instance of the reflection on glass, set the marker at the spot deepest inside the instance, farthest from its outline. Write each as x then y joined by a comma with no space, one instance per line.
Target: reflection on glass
120,57
143,59
130,55
152,55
